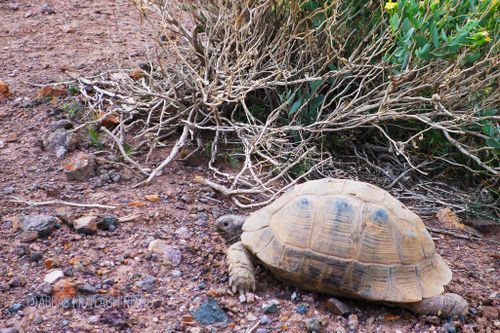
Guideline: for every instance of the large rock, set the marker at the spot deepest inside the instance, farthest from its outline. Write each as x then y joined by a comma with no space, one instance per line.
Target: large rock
42,224
80,166
61,138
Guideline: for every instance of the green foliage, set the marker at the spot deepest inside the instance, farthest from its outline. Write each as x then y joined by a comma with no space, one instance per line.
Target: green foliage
93,136
71,108
433,29
73,90
306,99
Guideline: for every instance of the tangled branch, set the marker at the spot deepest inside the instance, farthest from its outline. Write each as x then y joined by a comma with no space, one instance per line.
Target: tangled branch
256,85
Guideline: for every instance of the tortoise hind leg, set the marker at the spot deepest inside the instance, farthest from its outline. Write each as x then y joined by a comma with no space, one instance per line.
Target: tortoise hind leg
446,305
241,271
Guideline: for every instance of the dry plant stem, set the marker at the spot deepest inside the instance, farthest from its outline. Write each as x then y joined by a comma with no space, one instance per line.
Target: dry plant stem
124,153
128,218
229,82
59,202
458,235
253,328
173,153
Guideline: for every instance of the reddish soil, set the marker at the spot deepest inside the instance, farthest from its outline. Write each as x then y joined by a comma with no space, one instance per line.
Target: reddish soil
88,37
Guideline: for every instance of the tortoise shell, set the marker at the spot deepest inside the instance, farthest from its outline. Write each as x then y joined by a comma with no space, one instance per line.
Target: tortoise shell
347,238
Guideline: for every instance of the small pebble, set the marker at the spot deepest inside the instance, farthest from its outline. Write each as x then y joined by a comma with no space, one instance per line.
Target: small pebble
36,256
47,9
270,307
210,312
302,308
53,276
337,307
87,289
353,323
15,307
450,328
9,190
262,330
107,222
176,273
264,320
312,325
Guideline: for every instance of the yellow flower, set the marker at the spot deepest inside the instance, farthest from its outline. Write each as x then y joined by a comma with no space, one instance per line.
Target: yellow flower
391,5
421,4
436,2
486,35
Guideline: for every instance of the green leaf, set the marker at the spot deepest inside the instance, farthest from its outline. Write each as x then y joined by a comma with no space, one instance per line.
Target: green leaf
488,129
316,102
315,84
394,21
494,143
420,41
295,107
406,26
489,112
423,52
472,57
434,34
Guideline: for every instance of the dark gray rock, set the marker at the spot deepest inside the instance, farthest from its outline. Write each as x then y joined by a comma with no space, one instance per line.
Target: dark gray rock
47,9
87,289
36,256
210,312
312,324
107,222
270,307
15,307
450,327
43,224
147,283
61,138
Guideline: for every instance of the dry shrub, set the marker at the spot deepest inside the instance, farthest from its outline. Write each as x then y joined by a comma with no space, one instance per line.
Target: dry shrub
283,91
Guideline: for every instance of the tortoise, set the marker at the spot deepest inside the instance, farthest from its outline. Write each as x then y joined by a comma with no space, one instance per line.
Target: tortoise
345,238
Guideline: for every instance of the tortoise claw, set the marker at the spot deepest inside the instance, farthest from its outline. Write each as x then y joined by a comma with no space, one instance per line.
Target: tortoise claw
242,281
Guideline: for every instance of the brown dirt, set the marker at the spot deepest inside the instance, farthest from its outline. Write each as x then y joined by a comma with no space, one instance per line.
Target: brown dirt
88,37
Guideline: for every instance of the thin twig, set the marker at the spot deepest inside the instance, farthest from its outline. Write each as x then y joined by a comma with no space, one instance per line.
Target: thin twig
462,236
59,202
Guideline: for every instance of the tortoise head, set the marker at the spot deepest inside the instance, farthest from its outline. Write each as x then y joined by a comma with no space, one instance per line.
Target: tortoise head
229,226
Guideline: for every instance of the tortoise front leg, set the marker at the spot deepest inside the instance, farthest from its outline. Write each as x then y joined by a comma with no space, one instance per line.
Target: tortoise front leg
241,271
446,305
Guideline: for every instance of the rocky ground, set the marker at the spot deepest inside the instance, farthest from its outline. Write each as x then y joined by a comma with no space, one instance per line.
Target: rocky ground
154,263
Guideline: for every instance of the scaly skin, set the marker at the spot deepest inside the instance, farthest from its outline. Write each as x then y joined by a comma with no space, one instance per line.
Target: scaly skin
241,270
445,305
